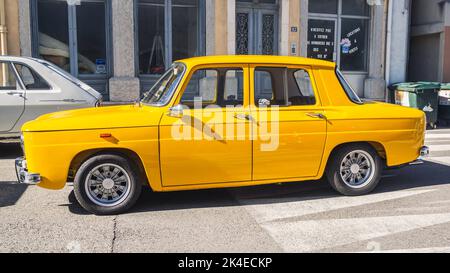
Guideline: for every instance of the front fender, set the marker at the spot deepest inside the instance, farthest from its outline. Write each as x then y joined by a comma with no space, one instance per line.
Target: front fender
50,153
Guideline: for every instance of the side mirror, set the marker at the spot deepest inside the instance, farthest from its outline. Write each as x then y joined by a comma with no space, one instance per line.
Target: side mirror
176,111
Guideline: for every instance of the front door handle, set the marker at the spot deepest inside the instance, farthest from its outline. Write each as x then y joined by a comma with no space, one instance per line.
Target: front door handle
15,93
316,115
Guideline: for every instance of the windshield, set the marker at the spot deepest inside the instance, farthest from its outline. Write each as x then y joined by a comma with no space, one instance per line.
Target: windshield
348,89
162,91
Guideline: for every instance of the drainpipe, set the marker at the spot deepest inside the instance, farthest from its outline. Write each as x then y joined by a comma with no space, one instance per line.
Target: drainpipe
3,42
389,45
3,30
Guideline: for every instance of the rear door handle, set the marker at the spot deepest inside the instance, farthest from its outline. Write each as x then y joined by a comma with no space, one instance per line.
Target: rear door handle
243,117
316,115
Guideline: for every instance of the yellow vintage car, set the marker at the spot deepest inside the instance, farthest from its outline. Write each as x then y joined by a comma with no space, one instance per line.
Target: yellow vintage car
223,121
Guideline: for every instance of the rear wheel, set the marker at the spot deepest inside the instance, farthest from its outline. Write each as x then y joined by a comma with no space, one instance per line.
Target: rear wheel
107,184
355,169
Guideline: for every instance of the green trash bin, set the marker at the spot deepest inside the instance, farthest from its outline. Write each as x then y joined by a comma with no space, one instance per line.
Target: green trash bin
419,95
444,104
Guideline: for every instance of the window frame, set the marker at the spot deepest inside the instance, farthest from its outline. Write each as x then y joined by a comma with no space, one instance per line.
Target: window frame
204,103
73,39
220,86
201,37
307,69
19,84
34,72
188,76
338,33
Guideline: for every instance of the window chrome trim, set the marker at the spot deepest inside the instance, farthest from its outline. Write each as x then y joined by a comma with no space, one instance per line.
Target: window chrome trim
172,92
343,82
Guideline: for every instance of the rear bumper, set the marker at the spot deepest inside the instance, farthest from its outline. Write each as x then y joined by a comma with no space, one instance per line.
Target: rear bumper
23,177
424,153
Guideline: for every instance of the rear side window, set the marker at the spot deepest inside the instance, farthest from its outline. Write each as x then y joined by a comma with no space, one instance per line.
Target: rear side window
7,77
31,79
280,86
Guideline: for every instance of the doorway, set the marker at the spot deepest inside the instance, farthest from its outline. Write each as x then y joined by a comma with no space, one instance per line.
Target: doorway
257,27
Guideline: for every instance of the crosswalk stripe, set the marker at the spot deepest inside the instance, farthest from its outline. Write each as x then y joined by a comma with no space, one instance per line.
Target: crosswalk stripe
438,148
273,211
431,141
315,235
442,159
434,136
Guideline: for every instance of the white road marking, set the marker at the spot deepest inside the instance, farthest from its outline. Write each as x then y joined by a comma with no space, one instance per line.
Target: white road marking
439,148
276,209
434,136
443,159
315,235
437,141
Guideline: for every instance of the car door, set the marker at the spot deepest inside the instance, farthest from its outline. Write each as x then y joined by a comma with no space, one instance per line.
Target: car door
209,141
12,101
44,96
290,123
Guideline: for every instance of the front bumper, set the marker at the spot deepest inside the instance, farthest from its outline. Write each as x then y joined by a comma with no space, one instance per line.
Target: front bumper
23,176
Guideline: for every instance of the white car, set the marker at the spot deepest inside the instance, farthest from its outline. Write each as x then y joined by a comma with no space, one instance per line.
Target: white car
31,87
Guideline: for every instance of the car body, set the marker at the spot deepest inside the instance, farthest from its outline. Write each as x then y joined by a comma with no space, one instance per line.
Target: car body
319,122
31,87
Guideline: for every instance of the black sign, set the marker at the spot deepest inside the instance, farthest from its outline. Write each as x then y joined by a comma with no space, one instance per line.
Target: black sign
321,39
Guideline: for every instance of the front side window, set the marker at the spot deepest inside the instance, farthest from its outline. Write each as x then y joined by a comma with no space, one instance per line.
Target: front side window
222,87
157,19
283,87
7,77
31,79
162,91
338,31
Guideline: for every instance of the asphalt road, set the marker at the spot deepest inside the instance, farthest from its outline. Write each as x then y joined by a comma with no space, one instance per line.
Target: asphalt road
409,212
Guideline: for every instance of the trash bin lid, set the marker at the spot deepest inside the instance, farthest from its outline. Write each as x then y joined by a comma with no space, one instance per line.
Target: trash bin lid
417,86
445,86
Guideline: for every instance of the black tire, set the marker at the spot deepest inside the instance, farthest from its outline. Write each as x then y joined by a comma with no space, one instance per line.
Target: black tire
132,194
337,182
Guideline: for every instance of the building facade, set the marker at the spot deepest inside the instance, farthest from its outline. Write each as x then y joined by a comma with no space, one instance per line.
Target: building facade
430,41
120,47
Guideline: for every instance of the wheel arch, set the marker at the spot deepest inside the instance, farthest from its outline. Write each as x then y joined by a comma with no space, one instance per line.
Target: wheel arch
377,146
130,155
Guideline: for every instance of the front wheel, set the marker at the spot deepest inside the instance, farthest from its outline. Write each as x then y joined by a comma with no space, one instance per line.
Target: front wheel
355,170
107,184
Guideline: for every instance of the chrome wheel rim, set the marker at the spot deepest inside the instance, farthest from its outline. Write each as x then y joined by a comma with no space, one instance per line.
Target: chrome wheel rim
107,185
357,169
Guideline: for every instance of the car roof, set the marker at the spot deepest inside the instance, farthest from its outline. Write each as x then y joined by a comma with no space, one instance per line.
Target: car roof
256,59
15,58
